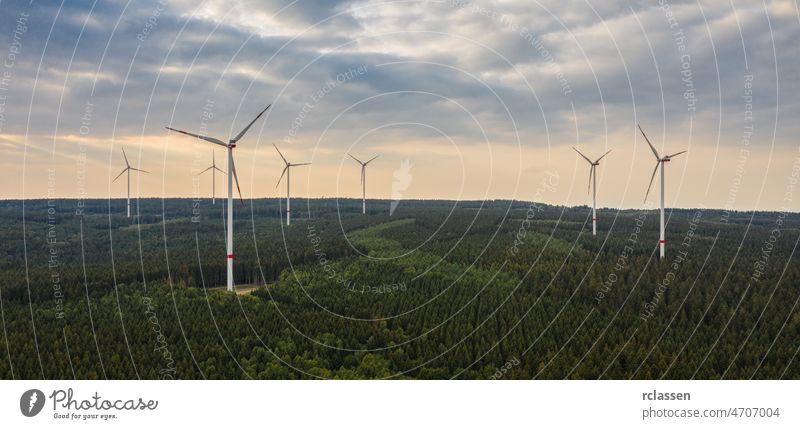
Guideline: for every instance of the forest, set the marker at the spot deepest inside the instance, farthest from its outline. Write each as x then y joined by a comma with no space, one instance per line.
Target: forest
433,290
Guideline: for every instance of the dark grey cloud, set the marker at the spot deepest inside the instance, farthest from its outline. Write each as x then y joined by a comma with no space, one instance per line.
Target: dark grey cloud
217,50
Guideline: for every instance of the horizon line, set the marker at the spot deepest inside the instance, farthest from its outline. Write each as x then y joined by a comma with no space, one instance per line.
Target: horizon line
388,200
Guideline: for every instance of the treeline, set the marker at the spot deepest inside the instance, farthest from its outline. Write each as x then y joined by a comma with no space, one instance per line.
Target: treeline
433,291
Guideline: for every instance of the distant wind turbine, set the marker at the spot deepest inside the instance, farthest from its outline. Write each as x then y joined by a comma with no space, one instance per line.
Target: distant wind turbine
128,169
363,181
231,177
214,170
593,186
660,161
287,172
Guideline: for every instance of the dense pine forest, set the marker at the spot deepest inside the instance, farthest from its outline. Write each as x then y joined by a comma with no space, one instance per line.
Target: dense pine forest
434,290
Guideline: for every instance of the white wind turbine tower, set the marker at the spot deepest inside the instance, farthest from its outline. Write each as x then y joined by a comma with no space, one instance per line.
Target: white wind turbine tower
660,161
214,170
363,181
128,169
593,186
287,172
231,177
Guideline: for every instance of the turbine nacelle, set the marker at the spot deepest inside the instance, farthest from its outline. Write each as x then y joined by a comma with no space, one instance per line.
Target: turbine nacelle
363,166
592,165
127,167
659,160
287,165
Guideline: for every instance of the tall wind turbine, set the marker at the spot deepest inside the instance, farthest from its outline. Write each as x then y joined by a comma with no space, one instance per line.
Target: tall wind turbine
128,169
287,172
593,186
231,177
660,161
214,170
363,181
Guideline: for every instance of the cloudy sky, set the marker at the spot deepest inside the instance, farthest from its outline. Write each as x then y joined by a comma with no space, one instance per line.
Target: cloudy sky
482,99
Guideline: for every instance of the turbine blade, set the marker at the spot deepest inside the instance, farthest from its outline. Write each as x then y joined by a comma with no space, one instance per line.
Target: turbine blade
651,181
126,157
371,159
676,154
240,135
362,173
582,155
206,138
136,169
598,159
279,153
655,152
120,174
209,168
220,170
589,188
236,178
303,163
281,178
357,160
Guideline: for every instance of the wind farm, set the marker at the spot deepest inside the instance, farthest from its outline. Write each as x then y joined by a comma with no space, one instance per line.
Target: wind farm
426,191
351,263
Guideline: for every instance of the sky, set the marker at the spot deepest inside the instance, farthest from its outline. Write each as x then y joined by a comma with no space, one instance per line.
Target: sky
463,100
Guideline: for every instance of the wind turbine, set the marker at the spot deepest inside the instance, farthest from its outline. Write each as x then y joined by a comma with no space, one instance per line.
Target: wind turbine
660,161
363,181
287,173
231,177
593,186
128,168
214,170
